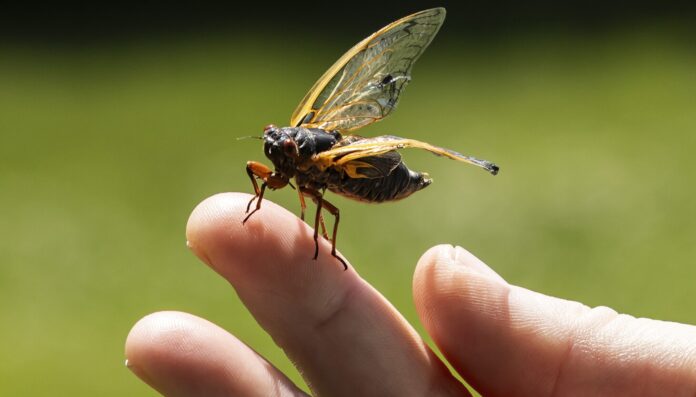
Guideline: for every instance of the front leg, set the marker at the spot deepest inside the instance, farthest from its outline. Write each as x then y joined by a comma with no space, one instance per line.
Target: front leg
270,179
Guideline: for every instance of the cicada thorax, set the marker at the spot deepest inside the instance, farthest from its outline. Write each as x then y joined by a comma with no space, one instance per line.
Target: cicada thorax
291,149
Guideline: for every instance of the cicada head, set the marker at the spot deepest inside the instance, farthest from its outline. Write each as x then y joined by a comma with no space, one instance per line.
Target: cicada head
281,148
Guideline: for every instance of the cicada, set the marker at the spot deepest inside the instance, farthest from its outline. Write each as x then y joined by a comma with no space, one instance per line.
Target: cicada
318,152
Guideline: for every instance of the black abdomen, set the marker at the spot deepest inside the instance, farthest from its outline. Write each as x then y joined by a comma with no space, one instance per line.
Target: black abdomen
400,183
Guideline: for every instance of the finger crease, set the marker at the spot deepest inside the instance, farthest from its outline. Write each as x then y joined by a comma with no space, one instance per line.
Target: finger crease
335,311
564,359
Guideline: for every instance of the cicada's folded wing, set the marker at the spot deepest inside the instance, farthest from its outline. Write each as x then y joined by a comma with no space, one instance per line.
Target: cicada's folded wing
356,151
377,166
364,85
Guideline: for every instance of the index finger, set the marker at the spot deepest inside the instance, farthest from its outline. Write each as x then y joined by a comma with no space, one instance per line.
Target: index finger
346,338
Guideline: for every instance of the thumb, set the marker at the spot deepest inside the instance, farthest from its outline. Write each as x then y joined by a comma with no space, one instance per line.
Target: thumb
506,340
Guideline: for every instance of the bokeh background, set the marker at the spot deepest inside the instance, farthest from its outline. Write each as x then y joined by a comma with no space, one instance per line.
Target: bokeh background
116,120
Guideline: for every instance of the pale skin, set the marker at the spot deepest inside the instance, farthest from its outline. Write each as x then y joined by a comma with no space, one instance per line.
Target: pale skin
348,340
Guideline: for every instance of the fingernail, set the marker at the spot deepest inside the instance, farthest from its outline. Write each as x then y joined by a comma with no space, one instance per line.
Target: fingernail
199,253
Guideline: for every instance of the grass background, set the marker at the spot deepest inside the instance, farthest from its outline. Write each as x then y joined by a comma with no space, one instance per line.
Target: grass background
105,150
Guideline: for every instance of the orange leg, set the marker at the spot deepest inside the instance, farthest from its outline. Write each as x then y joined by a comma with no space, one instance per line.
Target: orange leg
270,179
303,205
323,227
321,203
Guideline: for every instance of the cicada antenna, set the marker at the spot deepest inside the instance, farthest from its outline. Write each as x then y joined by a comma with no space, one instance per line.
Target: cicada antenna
250,137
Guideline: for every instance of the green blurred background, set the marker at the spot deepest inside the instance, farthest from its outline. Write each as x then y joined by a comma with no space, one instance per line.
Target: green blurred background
111,137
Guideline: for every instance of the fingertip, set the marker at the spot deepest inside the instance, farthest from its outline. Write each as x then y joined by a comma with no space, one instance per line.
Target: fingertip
140,336
210,219
154,340
449,277
439,262
158,334
259,249
436,254
180,354
266,245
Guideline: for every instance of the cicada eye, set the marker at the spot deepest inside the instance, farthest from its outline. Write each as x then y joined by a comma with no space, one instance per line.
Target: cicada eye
290,147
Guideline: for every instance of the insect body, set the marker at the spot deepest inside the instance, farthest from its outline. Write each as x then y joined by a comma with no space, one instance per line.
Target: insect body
362,87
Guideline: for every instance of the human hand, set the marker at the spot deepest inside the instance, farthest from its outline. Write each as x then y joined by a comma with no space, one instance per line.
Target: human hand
347,340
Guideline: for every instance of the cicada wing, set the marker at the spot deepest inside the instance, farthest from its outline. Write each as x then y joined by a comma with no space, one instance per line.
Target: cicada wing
358,150
364,85
378,166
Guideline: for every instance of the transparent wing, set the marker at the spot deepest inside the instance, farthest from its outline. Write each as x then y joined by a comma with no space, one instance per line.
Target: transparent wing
346,155
364,85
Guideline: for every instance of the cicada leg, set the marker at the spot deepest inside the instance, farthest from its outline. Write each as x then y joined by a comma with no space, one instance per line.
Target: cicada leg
303,207
323,227
269,178
318,221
